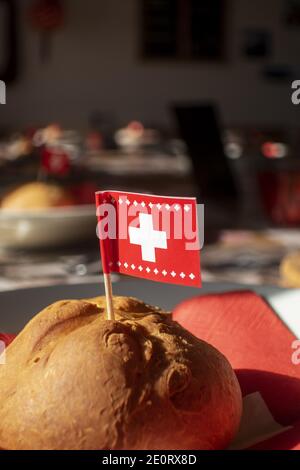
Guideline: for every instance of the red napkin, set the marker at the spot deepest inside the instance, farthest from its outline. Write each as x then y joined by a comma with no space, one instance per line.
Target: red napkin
288,440
258,345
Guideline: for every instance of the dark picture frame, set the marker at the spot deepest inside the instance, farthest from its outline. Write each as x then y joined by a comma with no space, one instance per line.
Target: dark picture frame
190,30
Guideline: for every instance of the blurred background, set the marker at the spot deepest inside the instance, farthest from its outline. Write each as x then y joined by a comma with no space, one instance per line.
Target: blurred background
174,97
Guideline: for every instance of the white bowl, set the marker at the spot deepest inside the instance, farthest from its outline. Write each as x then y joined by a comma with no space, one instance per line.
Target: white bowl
48,228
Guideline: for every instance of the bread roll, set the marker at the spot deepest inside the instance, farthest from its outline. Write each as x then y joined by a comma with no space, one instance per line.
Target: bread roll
74,380
290,270
36,196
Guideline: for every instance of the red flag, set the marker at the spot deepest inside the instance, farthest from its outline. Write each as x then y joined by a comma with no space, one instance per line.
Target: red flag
55,161
152,237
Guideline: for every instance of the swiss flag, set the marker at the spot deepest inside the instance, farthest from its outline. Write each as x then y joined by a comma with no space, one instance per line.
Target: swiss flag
55,161
152,237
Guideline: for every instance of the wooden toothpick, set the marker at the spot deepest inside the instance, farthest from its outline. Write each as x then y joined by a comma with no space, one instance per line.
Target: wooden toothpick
109,297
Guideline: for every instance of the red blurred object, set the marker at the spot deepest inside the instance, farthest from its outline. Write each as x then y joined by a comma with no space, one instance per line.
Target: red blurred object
135,126
47,15
94,141
267,150
281,196
274,150
55,161
84,193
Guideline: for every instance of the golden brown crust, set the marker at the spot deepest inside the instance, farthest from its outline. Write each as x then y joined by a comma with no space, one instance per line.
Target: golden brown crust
36,196
290,270
74,380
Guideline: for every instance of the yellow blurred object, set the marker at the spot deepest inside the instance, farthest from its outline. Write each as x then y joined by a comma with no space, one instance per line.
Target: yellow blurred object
290,270
36,196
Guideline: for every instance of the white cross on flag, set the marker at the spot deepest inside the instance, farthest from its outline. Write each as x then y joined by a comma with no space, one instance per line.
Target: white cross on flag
153,237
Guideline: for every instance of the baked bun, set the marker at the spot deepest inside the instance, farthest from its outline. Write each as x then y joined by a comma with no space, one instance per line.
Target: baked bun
36,196
290,270
75,380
